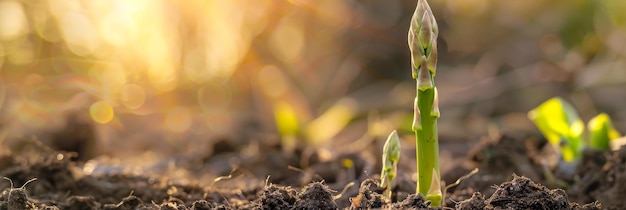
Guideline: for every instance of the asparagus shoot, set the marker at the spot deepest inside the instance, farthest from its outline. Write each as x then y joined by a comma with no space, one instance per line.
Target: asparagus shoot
422,40
391,156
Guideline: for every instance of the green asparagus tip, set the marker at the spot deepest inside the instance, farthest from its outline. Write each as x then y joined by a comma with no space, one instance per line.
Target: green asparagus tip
422,38
392,147
391,156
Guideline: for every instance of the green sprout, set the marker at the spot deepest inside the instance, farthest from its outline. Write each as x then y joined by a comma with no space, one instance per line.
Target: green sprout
601,132
391,156
422,38
559,123
287,124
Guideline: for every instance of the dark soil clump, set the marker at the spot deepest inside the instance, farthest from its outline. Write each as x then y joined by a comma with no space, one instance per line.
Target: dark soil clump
370,195
609,187
477,201
315,196
522,193
276,197
414,201
15,198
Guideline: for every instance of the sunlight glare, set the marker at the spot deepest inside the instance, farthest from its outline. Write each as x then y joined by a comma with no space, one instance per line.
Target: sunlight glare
13,20
119,26
101,112
79,33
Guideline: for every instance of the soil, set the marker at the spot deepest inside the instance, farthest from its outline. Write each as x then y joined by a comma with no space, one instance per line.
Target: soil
512,175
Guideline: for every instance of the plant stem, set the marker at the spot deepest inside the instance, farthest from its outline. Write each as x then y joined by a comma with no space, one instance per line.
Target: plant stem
422,39
428,148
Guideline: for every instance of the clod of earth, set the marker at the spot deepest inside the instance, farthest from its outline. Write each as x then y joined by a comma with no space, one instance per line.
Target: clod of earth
15,199
315,196
276,197
522,193
477,201
370,195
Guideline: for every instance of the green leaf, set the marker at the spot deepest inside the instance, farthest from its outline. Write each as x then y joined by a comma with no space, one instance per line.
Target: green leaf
560,124
286,119
602,132
287,124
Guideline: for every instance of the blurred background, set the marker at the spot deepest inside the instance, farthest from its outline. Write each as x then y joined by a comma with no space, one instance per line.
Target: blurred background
157,78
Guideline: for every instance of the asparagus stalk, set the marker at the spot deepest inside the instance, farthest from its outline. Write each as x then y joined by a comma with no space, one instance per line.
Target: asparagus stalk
422,38
391,156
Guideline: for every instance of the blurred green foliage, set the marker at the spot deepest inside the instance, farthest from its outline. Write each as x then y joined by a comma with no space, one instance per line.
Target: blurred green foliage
560,124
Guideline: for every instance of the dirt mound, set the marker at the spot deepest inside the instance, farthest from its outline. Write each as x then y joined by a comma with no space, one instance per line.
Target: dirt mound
523,193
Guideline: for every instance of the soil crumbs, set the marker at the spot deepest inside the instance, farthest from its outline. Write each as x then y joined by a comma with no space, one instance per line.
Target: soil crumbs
522,193
61,184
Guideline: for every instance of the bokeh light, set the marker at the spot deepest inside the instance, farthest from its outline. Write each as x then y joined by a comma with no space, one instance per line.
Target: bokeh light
13,22
101,112
165,69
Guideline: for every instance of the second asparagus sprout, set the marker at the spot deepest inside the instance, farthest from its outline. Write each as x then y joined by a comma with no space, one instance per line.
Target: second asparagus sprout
391,156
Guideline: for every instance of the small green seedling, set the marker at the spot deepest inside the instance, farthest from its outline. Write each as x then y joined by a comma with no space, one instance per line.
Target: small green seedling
422,40
601,132
287,124
560,124
391,156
